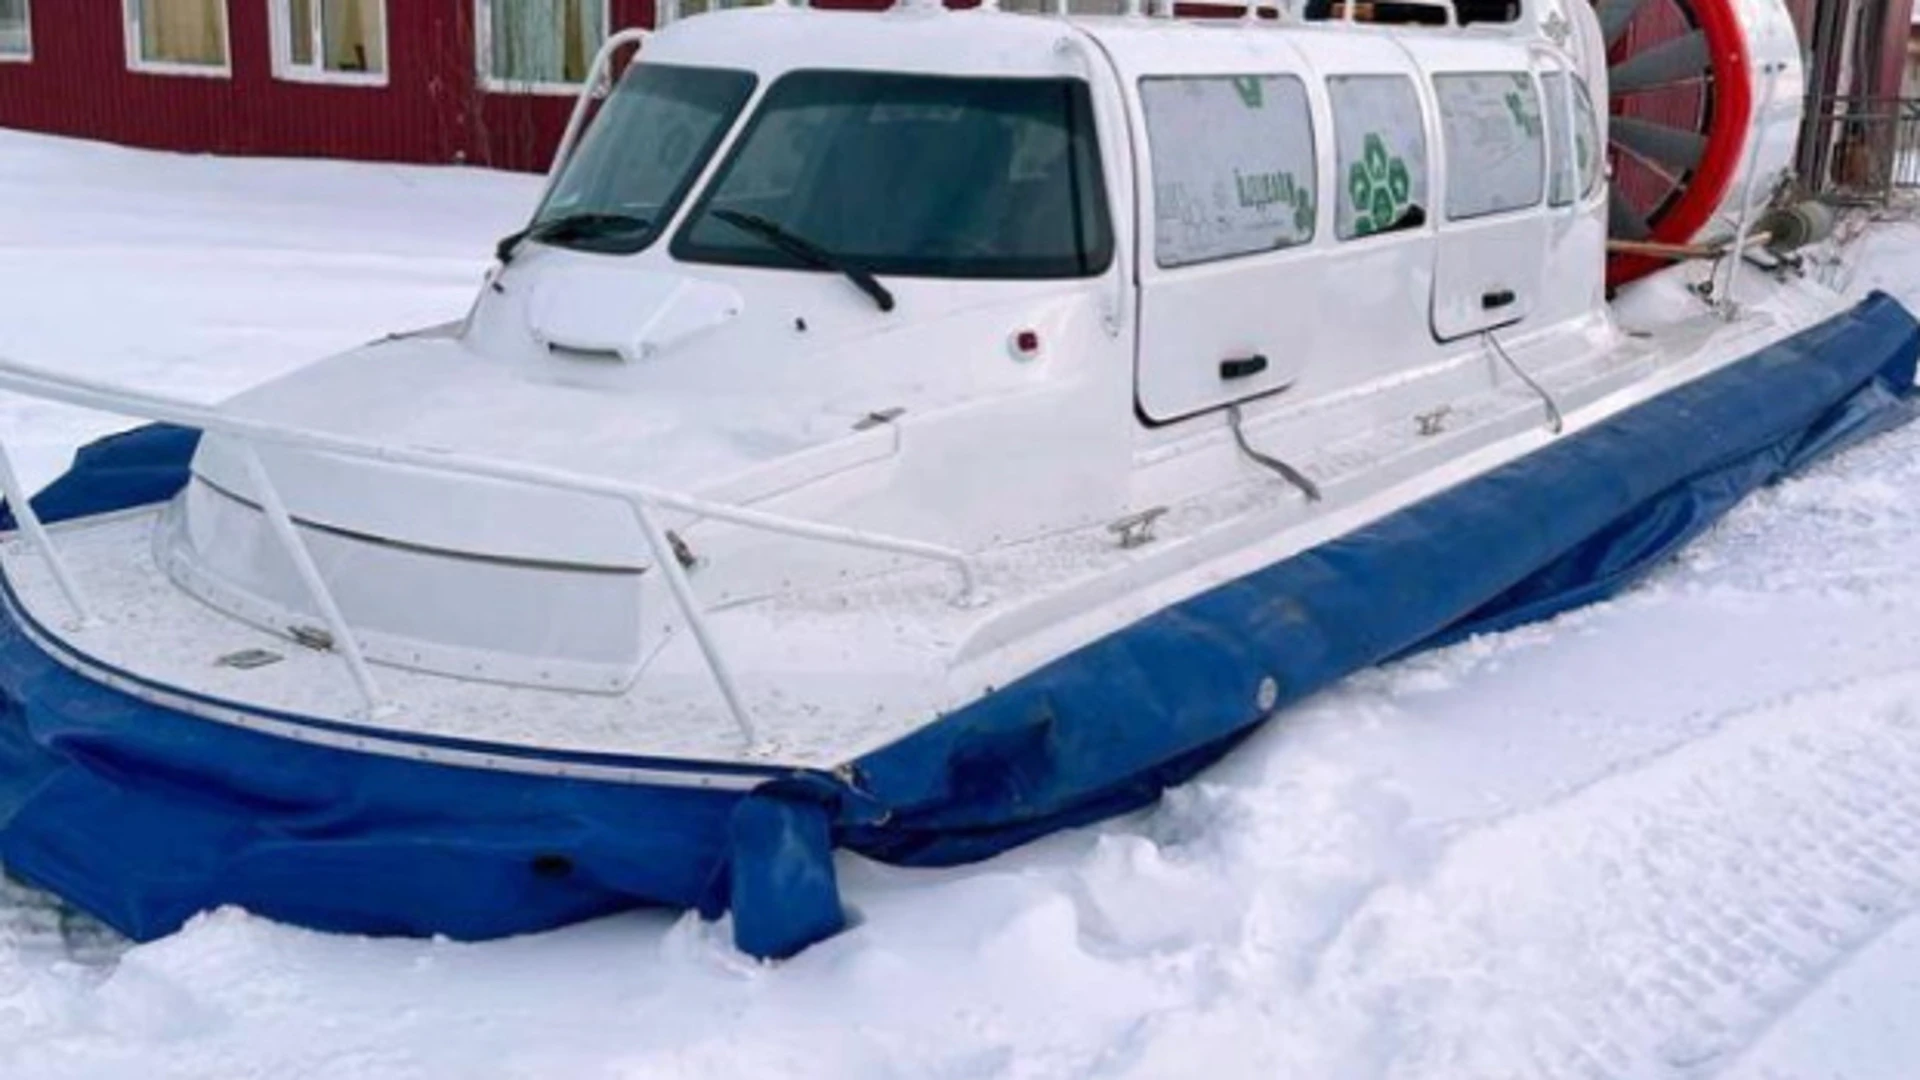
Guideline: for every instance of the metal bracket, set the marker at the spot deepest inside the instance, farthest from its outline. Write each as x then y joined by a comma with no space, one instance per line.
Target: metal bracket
1136,530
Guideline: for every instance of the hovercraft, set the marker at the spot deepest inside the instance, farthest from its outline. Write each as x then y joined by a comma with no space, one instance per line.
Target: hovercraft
914,432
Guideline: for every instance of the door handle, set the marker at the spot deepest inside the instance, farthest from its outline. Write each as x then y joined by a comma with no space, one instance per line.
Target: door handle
1497,298
1242,367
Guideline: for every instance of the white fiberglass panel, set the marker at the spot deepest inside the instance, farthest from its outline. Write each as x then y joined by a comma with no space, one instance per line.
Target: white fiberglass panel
497,620
1229,314
1490,259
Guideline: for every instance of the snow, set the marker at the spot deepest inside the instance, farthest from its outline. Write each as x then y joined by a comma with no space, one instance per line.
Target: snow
1675,835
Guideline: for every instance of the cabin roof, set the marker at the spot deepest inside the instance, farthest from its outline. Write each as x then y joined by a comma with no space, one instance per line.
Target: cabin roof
975,42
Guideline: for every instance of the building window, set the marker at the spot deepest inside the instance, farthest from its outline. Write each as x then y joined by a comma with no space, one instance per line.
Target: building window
16,30
331,41
179,37
539,45
1233,166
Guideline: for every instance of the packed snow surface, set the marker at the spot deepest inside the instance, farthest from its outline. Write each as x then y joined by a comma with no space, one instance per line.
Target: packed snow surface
1675,835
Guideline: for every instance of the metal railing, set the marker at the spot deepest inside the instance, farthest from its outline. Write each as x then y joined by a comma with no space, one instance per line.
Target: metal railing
642,501
1861,149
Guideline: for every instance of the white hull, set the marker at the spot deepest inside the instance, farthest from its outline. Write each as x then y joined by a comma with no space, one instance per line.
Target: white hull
835,672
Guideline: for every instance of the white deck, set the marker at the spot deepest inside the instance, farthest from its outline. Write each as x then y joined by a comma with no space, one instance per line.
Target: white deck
837,672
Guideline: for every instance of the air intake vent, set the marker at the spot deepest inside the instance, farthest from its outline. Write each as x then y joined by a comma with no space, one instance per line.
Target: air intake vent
568,352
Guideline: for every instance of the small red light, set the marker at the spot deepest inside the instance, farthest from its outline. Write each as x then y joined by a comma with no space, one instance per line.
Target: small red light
1026,343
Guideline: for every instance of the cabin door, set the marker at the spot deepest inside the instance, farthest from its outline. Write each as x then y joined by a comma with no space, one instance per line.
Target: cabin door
1490,264
1229,302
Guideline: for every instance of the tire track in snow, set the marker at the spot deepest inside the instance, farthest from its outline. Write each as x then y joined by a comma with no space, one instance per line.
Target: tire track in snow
1670,913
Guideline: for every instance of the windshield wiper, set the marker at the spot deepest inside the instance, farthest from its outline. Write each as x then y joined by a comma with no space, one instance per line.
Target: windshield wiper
580,226
807,252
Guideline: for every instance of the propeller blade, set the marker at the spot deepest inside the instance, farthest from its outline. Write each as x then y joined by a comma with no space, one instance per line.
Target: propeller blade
1675,148
1679,60
1623,221
1614,17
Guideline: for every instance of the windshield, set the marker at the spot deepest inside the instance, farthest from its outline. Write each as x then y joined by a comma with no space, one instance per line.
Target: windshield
913,175
640,155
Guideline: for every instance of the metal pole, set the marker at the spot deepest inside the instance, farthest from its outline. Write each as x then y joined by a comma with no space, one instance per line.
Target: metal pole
577,122
283,530
89,393
1724,302
689,604
29,522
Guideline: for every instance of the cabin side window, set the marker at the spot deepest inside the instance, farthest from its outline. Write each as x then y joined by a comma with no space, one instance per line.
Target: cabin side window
1381,143
1560,170
1586,139
1233,166
1494,142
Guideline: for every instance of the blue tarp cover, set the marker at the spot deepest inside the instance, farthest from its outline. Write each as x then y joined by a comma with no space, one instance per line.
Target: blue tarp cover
143,815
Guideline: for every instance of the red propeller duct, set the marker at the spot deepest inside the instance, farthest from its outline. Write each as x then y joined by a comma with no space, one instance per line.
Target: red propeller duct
1681,102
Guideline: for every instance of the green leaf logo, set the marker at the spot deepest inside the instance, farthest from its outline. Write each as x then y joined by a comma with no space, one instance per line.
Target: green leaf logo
1523,115
1303,211
1379,187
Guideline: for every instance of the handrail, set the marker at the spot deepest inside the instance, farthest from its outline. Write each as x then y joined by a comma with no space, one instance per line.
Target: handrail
577,120
641,499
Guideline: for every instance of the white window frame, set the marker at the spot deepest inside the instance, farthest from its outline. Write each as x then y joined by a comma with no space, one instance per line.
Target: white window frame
130,12
483,56
22,57
280,25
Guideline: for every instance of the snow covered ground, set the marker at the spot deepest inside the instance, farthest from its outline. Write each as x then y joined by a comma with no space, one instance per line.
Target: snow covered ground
1676,835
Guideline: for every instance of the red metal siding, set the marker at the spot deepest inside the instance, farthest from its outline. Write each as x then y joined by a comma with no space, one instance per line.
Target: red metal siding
431,109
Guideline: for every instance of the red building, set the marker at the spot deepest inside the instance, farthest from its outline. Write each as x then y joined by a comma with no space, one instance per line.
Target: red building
482,81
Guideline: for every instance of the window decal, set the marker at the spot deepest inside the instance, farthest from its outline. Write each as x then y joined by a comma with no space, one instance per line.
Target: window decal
1381,144
1233,166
